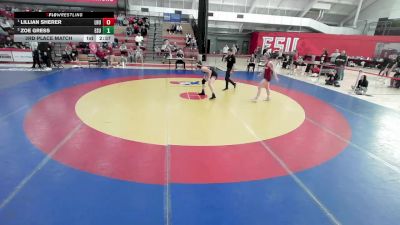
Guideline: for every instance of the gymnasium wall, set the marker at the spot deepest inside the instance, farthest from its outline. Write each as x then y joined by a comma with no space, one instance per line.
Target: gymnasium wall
314,43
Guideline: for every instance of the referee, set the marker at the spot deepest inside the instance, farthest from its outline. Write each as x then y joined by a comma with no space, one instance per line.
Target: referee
230,61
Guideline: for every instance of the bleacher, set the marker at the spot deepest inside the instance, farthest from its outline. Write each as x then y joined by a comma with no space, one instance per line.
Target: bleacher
180,39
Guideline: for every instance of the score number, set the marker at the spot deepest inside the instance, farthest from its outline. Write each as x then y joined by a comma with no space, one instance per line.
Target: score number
108,21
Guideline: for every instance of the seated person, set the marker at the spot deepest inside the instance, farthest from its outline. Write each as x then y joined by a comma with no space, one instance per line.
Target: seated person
157,50
147,25
172,29
139,55
395,82
115,42
129,31
299,64
166,49
251,61
67,54
179,29
315,70
362,86
74,53
102,56
143,31
180,57
136,28
333,79
287,61
174,47
193,43
131,54
140,22
123,49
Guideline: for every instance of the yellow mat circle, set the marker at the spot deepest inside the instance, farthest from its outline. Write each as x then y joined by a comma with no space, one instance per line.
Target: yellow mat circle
152,111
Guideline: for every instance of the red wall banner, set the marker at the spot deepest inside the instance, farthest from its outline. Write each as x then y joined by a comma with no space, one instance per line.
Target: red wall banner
314,43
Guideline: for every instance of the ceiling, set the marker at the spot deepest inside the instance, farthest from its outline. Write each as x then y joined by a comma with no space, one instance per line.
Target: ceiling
334,11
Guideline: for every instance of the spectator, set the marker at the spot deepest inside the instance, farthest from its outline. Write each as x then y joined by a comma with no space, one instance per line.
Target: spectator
166,49
324,56
136,29
225,52
74,53
174,47
120,20
362,86
252,62
139,40
123,49
395,81
384,67
102,56
67,54
193,43
9,43
131,55
334,55
180,57
131,20
157,50
340,63
129,31
179,29
234,49
188,39
143,31
396,62
139,55
35,54
333,78
125,22
315,70
172,29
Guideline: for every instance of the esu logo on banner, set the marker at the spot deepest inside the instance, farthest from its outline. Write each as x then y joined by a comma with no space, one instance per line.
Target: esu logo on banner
287,44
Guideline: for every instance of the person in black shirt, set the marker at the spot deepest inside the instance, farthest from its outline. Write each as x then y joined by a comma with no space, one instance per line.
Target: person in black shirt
230,61
396,63
362,86
324,56
180,57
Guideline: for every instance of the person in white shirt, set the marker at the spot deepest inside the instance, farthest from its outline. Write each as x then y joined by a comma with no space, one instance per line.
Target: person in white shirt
179,29
224,52
234,50
334,55
139,39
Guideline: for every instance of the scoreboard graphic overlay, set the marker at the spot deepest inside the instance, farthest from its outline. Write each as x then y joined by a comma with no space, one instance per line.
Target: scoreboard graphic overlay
64,26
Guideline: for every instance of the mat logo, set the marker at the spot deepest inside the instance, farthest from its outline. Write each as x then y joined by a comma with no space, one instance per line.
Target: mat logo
287,44
186,83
